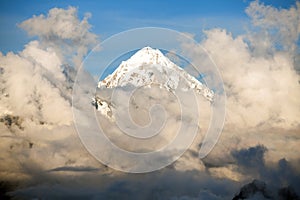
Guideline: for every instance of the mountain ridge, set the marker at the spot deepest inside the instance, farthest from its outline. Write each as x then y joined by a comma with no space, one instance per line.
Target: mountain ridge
149,67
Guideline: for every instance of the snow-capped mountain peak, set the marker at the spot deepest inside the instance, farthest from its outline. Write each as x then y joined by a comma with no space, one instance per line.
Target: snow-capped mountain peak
149,67
144,57
148,55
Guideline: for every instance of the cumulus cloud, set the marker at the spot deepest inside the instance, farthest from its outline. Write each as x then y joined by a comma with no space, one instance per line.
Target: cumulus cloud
280,26
36,121
30,80
262,87
35,80
254,84
64,31
261,83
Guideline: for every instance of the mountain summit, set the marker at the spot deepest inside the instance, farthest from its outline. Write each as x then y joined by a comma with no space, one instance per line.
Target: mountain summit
149,67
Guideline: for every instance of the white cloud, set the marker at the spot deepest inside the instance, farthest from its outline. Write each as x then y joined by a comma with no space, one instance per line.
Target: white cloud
281,26
46,58
31,93
62,30
262,87
254,85
35,103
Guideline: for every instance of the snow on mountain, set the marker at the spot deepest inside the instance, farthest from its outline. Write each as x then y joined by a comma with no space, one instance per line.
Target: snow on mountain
149,67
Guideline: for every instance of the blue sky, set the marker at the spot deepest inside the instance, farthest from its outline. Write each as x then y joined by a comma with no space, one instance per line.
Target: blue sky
111,17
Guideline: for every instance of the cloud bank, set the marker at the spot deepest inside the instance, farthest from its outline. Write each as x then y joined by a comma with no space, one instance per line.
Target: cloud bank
36,91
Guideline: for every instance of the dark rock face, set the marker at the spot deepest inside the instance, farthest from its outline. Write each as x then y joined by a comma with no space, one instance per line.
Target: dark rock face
11,120
287,193
250,189
258,187
5,187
